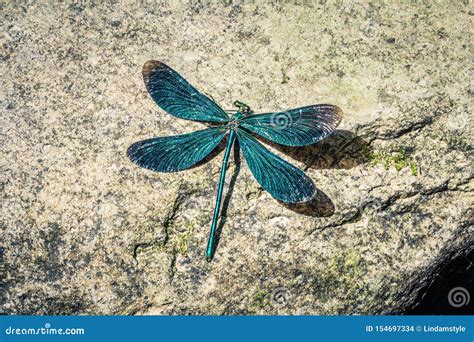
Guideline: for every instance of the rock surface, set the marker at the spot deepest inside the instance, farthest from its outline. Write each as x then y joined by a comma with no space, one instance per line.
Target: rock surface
84,231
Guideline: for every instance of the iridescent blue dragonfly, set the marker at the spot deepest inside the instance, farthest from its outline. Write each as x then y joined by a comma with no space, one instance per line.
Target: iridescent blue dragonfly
295,127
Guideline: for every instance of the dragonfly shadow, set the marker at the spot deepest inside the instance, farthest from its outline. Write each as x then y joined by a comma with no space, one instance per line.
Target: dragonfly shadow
320,206
341,150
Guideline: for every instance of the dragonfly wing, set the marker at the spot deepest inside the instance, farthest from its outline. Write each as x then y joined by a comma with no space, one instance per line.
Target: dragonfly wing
295,127
177,97
175,153
282,180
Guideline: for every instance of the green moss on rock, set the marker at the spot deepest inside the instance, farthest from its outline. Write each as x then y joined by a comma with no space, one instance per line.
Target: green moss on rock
399,160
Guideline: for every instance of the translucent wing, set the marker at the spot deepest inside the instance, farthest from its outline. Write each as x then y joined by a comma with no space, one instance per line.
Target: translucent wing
295,127
177,97
282,180
175,153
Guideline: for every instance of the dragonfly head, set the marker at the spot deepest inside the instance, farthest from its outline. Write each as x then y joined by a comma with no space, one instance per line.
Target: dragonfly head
243,109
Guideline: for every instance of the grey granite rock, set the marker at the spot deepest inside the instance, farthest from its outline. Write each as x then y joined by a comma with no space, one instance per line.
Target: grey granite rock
84,231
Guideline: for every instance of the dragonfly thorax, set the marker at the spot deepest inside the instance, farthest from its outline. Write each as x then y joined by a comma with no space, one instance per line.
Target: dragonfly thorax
235,121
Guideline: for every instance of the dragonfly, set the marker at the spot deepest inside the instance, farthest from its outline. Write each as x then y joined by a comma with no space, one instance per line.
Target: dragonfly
295,127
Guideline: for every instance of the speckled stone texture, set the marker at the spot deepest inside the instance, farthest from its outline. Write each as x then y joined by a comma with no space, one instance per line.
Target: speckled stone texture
84,231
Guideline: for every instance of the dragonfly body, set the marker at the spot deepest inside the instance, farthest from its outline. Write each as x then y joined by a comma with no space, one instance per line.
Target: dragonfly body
212,235
242,112
295,127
